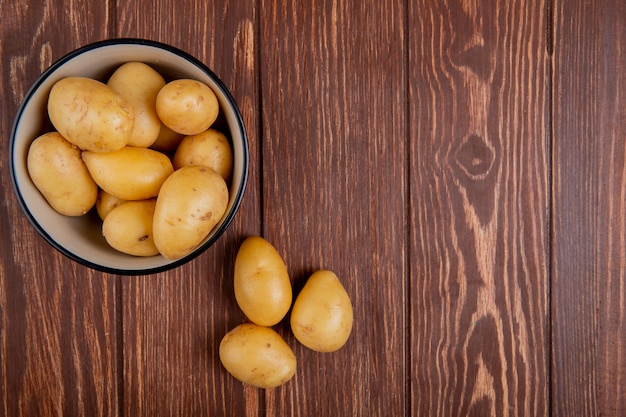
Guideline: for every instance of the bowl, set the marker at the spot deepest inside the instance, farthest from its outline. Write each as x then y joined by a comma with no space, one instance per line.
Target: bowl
80,238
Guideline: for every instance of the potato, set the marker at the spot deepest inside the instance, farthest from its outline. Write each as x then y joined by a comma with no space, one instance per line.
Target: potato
90,114
58,172
257,356
191,202
106,202
321,318
262,285
130,173
187,106
168,140
128,228
139,85
209,148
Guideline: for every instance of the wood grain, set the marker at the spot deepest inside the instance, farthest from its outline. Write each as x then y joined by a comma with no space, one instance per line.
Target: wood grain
334,189
479,111
58,350
589,190
460,164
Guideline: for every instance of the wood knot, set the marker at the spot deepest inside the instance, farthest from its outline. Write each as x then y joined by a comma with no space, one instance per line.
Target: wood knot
475,157
473,160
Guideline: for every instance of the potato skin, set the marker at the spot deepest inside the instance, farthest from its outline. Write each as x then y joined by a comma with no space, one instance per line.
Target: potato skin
139,85
128,228
187,106
322,316
58,172
262,286
106,202
209,148
130,173
190,203
167,141
257,356
90,114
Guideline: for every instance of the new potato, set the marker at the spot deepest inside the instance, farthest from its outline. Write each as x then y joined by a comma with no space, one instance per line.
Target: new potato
321,318
261,282
209,148
89,114
58,172
128,228
130,173
106,202
190,203
168,140
187,106
257,356
139,85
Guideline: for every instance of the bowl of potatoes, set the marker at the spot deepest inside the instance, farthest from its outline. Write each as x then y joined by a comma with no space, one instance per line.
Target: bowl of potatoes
129,156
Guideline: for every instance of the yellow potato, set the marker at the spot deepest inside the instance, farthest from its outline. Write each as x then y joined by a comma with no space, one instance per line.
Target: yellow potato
128,228
130,173
106,202
187,106
139,85
209,148
321,318
257,356
262,285
167,141
90,114
191,202
58,172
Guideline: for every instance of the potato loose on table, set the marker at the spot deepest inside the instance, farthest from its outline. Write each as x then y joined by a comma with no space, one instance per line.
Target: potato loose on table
321,318
58,172
257,355
89,114
261,281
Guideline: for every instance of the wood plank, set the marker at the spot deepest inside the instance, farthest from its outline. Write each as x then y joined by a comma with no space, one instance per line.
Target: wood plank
174,321
479,114
405,145
334,190
58,332
589,209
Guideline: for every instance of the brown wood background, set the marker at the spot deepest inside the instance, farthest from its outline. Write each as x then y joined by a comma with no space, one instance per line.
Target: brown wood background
459,164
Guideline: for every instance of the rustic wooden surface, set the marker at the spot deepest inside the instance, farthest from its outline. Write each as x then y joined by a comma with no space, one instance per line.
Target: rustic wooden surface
459,164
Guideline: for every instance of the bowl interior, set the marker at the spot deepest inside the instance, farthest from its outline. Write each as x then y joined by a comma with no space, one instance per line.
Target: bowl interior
80,238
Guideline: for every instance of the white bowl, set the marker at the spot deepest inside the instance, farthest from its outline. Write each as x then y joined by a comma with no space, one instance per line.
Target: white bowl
80,238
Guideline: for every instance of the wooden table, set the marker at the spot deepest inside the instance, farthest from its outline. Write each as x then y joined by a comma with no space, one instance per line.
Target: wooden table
459,164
